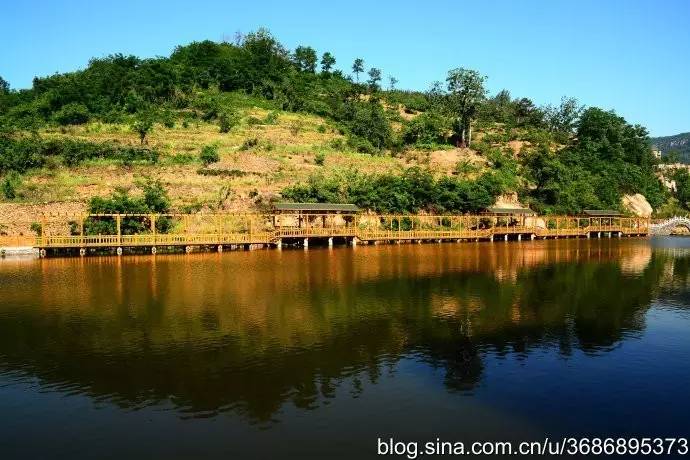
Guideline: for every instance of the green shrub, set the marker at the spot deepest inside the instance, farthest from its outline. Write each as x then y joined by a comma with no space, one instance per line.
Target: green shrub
464,167
337,144
154,200
142,125
227,121
72,114
249,143
296,126
501,137
271,118
411,100
182,159
361,145
209,106
192,208
224,124
367,120
167,118
131,155
221,172
209,154
319,158
414,190
425,129
20,154
155,196
26,153
10,184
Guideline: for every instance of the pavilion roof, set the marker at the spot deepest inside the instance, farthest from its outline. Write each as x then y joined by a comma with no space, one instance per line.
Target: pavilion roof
316,207
601,213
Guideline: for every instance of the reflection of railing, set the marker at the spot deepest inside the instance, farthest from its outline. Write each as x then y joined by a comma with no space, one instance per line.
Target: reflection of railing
243,229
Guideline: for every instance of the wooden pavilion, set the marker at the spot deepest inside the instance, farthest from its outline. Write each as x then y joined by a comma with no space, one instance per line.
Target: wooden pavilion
310,215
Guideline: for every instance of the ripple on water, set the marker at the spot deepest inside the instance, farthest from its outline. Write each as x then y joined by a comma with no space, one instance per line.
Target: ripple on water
264,346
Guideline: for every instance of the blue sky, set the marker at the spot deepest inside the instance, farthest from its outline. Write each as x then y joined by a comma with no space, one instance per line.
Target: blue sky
631,55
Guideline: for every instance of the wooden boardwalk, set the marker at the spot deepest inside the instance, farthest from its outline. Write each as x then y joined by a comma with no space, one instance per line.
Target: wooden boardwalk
235,231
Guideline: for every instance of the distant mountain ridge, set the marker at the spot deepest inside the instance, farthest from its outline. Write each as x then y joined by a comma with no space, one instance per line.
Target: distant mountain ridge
680,143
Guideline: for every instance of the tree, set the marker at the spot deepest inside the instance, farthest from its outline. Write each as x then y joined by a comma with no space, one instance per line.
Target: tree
374,78
72,114
682,187
327,62
499,108
154,199
526,113
392,81
564,118
367,121
672,157
606,158
603,136
4,86
427,128
466,91
142,125
358,67
155,196
436,95
305,59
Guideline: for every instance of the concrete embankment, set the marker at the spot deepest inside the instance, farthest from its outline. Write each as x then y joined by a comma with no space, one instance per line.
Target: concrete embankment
18,251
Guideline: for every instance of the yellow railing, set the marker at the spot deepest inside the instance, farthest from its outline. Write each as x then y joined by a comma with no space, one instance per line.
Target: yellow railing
230,229
179,239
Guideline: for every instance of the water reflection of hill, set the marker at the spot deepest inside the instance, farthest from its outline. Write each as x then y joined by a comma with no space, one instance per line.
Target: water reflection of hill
249,331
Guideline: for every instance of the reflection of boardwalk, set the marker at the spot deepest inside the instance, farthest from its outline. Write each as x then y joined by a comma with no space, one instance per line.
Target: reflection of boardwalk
249,230
254,329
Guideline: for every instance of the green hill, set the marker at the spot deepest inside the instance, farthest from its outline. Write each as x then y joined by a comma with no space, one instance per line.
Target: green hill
220,126
679,143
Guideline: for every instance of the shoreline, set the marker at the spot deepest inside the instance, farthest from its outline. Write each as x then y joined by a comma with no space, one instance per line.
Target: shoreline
6,251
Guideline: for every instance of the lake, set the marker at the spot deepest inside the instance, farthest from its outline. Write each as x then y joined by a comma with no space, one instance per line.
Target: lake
318,353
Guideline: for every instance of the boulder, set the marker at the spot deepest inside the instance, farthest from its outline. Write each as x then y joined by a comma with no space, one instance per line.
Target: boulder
638,205
508,200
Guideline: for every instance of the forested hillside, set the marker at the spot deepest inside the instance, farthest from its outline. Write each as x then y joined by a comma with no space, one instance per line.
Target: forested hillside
220,126
674,148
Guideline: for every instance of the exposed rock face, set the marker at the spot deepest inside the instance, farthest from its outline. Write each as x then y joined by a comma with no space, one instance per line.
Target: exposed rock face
508,200
638,205
537,222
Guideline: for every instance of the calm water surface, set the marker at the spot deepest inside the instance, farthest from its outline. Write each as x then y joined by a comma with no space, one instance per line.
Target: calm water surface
317,353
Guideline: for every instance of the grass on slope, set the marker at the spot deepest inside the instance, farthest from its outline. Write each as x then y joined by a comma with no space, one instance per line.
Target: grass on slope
267,151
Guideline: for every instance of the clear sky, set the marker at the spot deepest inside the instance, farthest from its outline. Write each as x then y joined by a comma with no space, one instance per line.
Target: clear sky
629,55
